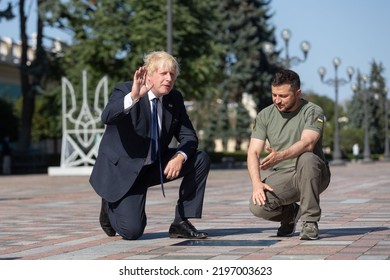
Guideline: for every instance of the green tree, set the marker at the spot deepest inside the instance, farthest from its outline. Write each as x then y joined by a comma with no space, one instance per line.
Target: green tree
243,29
242,129
210,124
7,13
349,136
115,48
240,30
218,44
31,75
375,99
105,46
8,127
224,127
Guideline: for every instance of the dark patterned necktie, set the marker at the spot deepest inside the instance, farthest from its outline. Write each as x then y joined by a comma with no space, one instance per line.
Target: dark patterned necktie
155,146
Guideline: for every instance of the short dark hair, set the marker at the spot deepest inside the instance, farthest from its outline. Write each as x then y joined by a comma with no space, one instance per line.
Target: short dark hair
286,76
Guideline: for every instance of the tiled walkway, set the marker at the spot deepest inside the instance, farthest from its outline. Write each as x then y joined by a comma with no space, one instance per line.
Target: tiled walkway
56,218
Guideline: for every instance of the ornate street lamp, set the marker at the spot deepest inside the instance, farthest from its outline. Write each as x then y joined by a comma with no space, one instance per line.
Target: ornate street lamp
336,82
288,61
365,92
292,61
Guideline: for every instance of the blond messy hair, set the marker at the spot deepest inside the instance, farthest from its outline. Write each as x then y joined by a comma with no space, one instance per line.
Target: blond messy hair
161,59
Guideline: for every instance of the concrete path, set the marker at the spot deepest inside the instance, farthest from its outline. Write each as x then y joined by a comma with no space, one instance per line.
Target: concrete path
56,218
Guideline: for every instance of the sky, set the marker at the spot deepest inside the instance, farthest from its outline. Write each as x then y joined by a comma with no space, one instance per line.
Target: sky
356,31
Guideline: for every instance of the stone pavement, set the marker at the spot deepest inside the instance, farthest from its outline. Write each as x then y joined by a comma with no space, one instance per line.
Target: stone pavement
56,218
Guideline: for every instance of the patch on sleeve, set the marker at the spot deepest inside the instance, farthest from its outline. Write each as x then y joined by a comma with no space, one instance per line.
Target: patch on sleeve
320,119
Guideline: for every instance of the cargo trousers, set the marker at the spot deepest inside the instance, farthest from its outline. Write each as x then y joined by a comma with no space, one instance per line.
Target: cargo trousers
301,184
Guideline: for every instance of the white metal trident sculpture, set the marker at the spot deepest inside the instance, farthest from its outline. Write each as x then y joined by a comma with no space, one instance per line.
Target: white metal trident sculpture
81,129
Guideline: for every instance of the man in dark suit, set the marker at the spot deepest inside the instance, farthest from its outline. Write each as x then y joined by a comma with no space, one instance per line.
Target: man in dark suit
129,161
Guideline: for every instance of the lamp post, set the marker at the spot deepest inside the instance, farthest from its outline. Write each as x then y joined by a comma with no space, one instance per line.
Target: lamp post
336,82
292,61
365,92
288,61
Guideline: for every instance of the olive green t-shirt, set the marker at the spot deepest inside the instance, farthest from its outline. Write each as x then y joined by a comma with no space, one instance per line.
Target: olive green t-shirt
283,129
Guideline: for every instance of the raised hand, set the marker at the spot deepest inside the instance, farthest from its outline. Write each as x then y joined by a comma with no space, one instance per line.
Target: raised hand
140,88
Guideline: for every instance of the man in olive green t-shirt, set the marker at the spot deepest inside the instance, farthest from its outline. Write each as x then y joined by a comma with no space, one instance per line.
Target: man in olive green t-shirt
290,130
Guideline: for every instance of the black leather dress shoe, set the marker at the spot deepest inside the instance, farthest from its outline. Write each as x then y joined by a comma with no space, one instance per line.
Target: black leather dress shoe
185,230
104,220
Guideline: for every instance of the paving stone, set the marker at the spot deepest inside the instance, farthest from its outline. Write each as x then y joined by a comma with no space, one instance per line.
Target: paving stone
56,218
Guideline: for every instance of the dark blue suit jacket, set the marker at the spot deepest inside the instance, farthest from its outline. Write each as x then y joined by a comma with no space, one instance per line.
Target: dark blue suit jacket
126,140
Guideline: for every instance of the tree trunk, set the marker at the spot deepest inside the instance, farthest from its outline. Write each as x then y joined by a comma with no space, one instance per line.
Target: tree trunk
31,77
28,98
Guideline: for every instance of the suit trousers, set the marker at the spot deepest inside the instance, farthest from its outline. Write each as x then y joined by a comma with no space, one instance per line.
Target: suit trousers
302,184
128,217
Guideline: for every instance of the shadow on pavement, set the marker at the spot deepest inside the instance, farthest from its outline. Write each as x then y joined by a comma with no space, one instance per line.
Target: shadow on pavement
329,233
